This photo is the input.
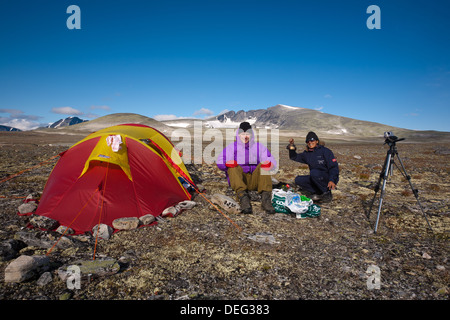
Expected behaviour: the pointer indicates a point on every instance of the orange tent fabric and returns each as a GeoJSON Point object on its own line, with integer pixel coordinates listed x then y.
{"type": "Point", "coordinates": [97, 181]}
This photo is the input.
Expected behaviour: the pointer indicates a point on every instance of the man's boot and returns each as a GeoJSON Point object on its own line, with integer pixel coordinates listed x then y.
{"type": "Point", "coordinates": [323, 198]}
{"type": "Point", "coordinates": [244, 201]}
{"type": "Point", "coordinates": [266, 202]}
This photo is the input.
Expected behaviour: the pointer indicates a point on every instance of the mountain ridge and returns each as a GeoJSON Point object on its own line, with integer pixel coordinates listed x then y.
{"type": "Point", "coordinates": [285, 118]}
{"type": "Point", "coordinates": [8, 128]}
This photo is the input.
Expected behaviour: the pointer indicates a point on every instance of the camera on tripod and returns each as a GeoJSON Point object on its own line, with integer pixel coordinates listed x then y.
{"type": "Point", "coordinates": [390, 138]}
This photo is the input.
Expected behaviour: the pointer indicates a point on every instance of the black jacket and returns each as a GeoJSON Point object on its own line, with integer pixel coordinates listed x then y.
{"type": "Point", "coordinates": [321, 158]}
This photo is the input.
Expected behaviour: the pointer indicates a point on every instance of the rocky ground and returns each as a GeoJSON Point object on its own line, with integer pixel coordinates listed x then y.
{"type": "Point", "coordinates": [201, 254]}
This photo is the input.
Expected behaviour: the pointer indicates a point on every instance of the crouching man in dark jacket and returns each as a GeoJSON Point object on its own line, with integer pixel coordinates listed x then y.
{"type": "Point", "coordinates": [323, 167]}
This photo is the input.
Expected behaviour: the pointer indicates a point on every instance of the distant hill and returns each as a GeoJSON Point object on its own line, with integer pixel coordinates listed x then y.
{"type": "Point", "coordinates": [115, 119]}
{"type": "Point", "coordinates": [290, 121]}
{"type": "Point", "coordinates": [302, 119]}
{"type": "Point", "coordinates": [7, 128]}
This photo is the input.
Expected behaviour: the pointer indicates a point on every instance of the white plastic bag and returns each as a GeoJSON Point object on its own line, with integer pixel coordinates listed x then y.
{"type": "Point", "coordinates": [297, 203]}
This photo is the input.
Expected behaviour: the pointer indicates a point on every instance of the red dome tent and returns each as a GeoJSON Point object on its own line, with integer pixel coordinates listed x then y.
{"type": "Point", "coordinates": [126, 170]}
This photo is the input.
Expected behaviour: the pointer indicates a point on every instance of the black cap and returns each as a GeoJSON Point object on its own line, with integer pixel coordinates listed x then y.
{"type": "Point", "coordinates": [244, 126]}
{"type": "Point", "coordinates": [311, 136]}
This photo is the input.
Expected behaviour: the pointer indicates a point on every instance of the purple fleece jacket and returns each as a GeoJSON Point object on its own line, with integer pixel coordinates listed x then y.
{"type": "Point", "coordinates": [248, 155]}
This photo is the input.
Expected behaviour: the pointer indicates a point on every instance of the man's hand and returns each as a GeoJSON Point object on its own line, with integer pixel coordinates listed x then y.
{"type": "Point", "coordinates": [231, 163]}
{"type": "Point", "coordinates": [266, 165]}
{"type": "Point", "coordinates": [331, 185]}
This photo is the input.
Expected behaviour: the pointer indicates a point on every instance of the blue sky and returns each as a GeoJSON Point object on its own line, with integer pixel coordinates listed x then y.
{"type": "Point", "coordinates": [199, 58]}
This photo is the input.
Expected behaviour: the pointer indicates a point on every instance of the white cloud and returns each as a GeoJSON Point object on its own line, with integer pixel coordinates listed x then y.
{"type": "Point", "coordinates": [18, 119]}
{"type": "Point", "coordinates": [318, 108]}
{"type": "Point", "coordinates": [328, 96]}
{"type": "Point", "coordinates": [12, 112]}
{"type": "Point", "coordinates": [203, 111]}
{"type": "Point", "coordinates": [22, 124]}
{"type": "Point", "coordinates": [163, 117]}
{"type": "Point", "coordinates": [67, 111]}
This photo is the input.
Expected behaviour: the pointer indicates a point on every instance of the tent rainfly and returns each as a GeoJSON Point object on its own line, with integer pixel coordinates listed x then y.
{"type": "Point", "coordinates": [127, 170]}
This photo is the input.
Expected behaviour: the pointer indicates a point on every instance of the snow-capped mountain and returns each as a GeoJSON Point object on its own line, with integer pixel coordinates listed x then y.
{"type": "Point", "coordinates": [294, 119]}
{"type": "Point", "coordinates": [7, 128]}
{"type": "Point", "coordinates": [65, 122]}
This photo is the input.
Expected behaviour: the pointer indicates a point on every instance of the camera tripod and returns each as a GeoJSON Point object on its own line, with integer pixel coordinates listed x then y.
{"type": "Point", "coordinates": [388, 170]}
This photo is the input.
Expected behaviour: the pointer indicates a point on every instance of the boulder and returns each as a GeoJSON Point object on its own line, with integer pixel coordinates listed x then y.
{"type": "Point", "coordinates": [26, 267]}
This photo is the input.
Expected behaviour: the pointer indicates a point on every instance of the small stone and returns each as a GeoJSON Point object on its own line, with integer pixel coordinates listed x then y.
{"type": "Point", "coordinates": [102, 231]}
{"type": "Point", "coordinates": [442, 291]}
{"type": "Point", "coordinates": [169, 212]}
{"type": "Point", "coordinates": [185, 205]}
{"type": "Point", "coordinates": [147, 219]}
{"type": "Point", "coordinates": [43, 222]}
{"type": "Point", "coordinates": [65, 230]}
{"type": "Point", "coordinates": [28, 207]}
{"type": "Point", "coordinates": [65, 296]}
{"type": "Point", "coordinates": [128, 223]}
{"type": "Point", "coordinates": [44, 279]}
{"type": "Point", "coordinates": [226, 203]}
{"type": "Point", "coordinates": [426, 256]}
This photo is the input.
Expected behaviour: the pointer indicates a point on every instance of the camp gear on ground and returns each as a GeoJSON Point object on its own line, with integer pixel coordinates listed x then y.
{"type": "Point", "coordinates": [313, 211]}
{"type": "Point", "coordinates": [290, 202]}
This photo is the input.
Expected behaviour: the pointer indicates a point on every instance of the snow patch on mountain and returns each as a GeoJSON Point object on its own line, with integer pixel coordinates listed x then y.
{"type": "Point", "coordinates": [226, 122]}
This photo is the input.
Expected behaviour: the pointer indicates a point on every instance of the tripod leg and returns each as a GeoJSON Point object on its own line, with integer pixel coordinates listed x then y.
{"type": "Point", "coordinates": [415, 191]}
{"type": "Point", "coordinates": [383, 188]}
{"type": "Point", "coordinates": [377, 187]}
